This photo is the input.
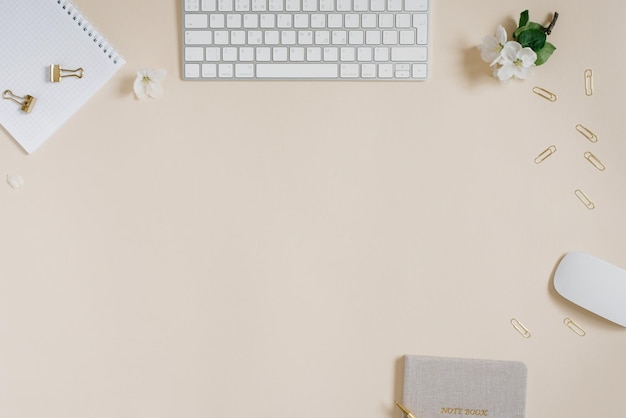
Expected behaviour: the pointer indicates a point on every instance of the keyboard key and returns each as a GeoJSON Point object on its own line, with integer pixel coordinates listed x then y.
{"type": "Point", "coordinates": [192, 5]}
{"type": "Point", "coordinates": [419, 70]}
{"type": "Point", "coordinates": [192, 70]}
{"type": "Point", "coordinates": [394, 5]}
{"type": "Point", "coordinates": [344, 5]}
{"type": "Point", "coordinates": [322, 37]}
{"type": "Point", "coordinates": [292, 5]}
{"type": "Point", "coordinates": [288, 37]}
{"type": "Point", "coordinates": [407, 37]}
{"type": "Point", "coordinates": [349, 70]}
{"type": "Point", "coordinates": [420, 22]}
{"type": "Point", "coordinates": [378, 5]}
{"type": "Point", "coordinates": [250, 21]}
{"type": "Point", "coordinates": [196, 21]}
{"type": "Point", "coordinates": [331, 54]}
{"type": "Point", "coordinates": [327, 5]}
{"type": "Point", "coordinates": [385, 70]}
{"type": "Point", "coordinates": [368, 70]}
{"type": "Point", "coordinates": [409, 54]}
{"type": "Point", "coordinates": [318, 21]}
{"type": "Point", "coordinates": [297, 70]}
{"type": "Point", "coordinates": [244, 70]}
{"type": "Point", "coordinates": [364, 54]}
{"type": "Point", "coordinates": [263, 54]}
{"type": "Point", "coordinates": [268, 21]}
{"type": "Point", "coordinates": [225, 5]}
{"type": "Point", "coordinates": [301, 21]}
{"type": "Point", "coordinates": [390, 37]}
{"type": "Point", "coordinates": [233, 21]}
{"type": "Point", "coordinates": [280, 53]}
{"type": "Point", "coordinates": [229, 54]}
{"type": "Point", "coordinates": [309, 5]}
{"type": "Point", "coordinates": [368, 20]}
{"type": "Point", "coordinates": [198, 37]}
{"type": "Point", "coordinates": [220, 37]}
{"type": "Point", "coordinates": [246, 53]}
{"type": "Point", "coordinates": [360, 5]}
{"type": "Point", "coordinates": [283, 21]}
{"type": "Point", "coordinates": [335, 21]}
{"type": "Point", "coordinates": [259, 5]}
{"type": "Point", "coordinates": [209, 70]}
{"type": "Point", "coordinates": [209, 5]}
{"type": "Point", "coordinates": [356, 37]}
{"type": "Point", "coordinates": [347, 54]}
{"type": "Point", "coordinates": [255, 37]}
{"type": "Point", "coordinates": [339, 37]}
{"type": "Point", "coordinates": [195, 53]}
{"type": "Point", "coordinates": [237, 37]}
{"type": "Point", "coordinates": [217, 21]}
{"type": "Point", "coordinates": [225, 70]}
{"type": "Point", "coordinates": [213, 54]}
{"type": "Point", "coordinates": [296, 54]}
{"type": "Point", "coordinates": [415, 5]}
{"type": "Point", "coordinates": [305, 37]}
{"type": "Point", "coordinates": [272, 37]}
{"type": "Point", "coordinates": [275, 5]}
{"type": "Point", "coordinates": [403, 20]}
{"type": "Point", "coordinates": [242, 5]}
{"type": "Point", "coordinates": [381, 54]}
{"type": "Point", "coordinates": [314, 54]}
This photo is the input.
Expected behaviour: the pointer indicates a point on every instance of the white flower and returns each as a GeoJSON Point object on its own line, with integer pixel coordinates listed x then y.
{"type": "Point", "coordinates": [147, 83]}
{"type": "Point", "coordinates": [516, 62]}
{"type": "Point", "coordinates": [491, 48]}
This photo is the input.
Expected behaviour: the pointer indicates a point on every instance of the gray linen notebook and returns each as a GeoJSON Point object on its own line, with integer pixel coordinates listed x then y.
{"type": "Point", "coordinates": [442, 386]}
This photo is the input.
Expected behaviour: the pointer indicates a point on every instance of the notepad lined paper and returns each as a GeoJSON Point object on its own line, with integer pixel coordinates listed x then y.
{"type": "Point", "coordinates": [34, 35]}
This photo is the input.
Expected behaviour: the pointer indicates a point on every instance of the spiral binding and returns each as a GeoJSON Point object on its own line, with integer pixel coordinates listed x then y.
{"type": "Point", "coordinates": [90, 30]}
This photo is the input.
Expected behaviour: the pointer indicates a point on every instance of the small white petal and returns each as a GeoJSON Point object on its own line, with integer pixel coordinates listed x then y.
{"type": "Point", "coordinates": [501, 35]}
{"type": "Point", "coordinates": [15, 181]}
{"type": "Point", "coordinates": [505, 72]}
{"type": "Point", "coordinates": [139, 88]}
{"type": "Point", "coordinates": [527, 56]}
{"type": "Point", "coordinates": [154, 90]}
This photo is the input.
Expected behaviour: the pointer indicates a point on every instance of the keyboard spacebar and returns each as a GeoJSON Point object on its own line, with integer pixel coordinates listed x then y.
{"type": "Point", "coordinates": [297, 70]}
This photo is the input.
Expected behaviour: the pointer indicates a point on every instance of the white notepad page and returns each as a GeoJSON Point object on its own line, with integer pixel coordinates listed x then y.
{"type": "Point", "coordinates": [35, 34]}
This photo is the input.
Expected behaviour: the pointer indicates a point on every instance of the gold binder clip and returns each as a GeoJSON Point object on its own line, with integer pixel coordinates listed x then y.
{"type": "Point", "coordinates": [585, 199]}
{"type": "Point", "coordinates": [56, 73]}
{"type": "Point", "coordinates": [587, 133]}
{"type": "Point", "coordinates": [594, 161]}
{"type": "Point", "coordinates": [588, 82]}
{"type": "Point", "coordinates": [545, 154]}
{"type": "Point", "coordinates": [520, 328]}
{"type": "Point", "coordinates": [27, 103]}
{"type": "Point", "coordinates": [574, 327]}
{"type": "Point", "coordinates": [548, 95]}
{"type": "Point", "coordinates": [405, 410]}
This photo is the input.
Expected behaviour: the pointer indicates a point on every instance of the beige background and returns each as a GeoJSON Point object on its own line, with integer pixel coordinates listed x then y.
{"type": "Point", "coordinates": [272, 249]}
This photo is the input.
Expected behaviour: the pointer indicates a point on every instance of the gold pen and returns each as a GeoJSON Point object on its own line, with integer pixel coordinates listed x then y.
{"type": "Point", "coordinates": [408, 413]}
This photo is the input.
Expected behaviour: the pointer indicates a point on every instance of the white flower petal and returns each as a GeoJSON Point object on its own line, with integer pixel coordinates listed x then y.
{"type": "Point", "coordinates": [527, 56]}
{"type": "Point", "coordinates": [501, 35]}
{"type": "Point", "coordinates": [154, 90]}
{"type": "Point", "coordinates": [139, 87]}
{"type": "Point", "coordinates": [505, 72]}
{"type": "Point", "coordinates": [15, 181]}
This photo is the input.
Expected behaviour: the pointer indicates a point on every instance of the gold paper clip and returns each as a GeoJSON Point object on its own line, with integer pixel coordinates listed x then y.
{"type": "Point", "coordinates": [588, 82]}
{"type": "Point", "coordinates": [26, 105]}
{"type": "Point", "coordinates": [574, 327]}
{"type": "Point", "coordinates": [56, 73]}
{"type": "Point", "coordinates": [594, 161]}
{"type": "Point", "coordinates": [545, 154]}
{"type": "Point", "coordinates": [520, 328]}
{"type": "Point", "coordinates": [585, 199]}
{"type": "Point", "coordinates": [405, 410]}
{"type": "Point", "coordinates": [548, 95]}
{"type": "Point", "coordinates": [587, 133]}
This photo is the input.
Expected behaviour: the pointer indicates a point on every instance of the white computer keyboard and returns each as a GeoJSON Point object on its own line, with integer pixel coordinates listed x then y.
{"type": "Point", "coordinates": [305, 39]}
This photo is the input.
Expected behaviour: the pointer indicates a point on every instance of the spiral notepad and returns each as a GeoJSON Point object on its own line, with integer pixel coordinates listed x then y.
{"type": "Point", "coordinates": [34, 35]}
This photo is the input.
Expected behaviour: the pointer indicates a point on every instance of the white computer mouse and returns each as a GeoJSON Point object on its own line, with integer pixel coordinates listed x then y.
{"type": "Point", "coordinates": [594, 284]}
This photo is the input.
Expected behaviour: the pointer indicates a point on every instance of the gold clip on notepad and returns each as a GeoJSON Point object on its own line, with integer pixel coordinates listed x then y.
{"type": "Point", "coordinates": [405, 410]}
{"type": "Point", "coordinates": [57, 73]}
{"type": "Point", "coordinates": [548, 95]}
{"type": "Point", "coordinates": [26, 103]}
{"type": "Point", "coordinates": [587, 133]}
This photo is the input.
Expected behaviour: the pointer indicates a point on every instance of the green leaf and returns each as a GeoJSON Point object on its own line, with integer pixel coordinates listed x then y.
{"type": "Point", "coordinates": [544, 53]}
{"type": "Point", "coordinates": [532, 38]}
{"type": "Point", "coordinates": [523, 18]}
{"type": "Point", "coordinates": [529, 25]}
